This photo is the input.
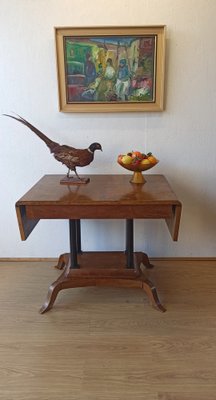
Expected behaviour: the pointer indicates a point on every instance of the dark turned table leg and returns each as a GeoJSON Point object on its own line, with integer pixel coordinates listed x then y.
{"type": "Point", "coordinates": [130, 247]}
{"type": "Point", "coordinates": [129, 244]}
{"type": "Point", "coordinates": [75, 246]}
{"type": "Point", "coordinates": [78, 236]}
{"type": "Point", "coordinates": [75, 242]}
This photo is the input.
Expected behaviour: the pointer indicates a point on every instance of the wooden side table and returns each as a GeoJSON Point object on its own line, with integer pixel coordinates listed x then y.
{"type": "Point", "coordinates": [104, 197]}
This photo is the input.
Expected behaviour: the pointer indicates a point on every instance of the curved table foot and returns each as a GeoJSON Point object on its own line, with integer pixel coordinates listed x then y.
{"type": "Point", "coordinates": [151, 292]}
{"type": "Point", "coordinates": [62, 261]}
{"type": "Point", "coordinates": [146, 262]}
{"type": "Point", "coordinates": [61, 283]}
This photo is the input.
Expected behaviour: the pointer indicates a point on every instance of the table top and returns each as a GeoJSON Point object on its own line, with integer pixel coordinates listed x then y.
{"type": "Point", "coordinates": [101, 190]}
{"type": "Point", "coordinates": [104, 197]}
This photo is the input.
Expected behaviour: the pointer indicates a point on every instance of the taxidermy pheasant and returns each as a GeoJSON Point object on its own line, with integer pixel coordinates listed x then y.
{"type": "Point", "coordinates": [67, 155]}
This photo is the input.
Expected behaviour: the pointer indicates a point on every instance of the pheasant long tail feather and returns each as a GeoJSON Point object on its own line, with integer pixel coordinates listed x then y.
{"type": "Point", "coordinates": [41, 135]}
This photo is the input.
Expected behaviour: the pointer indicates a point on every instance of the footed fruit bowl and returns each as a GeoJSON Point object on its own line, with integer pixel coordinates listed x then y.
{"type": "Point", "coordinates": [137, 162]}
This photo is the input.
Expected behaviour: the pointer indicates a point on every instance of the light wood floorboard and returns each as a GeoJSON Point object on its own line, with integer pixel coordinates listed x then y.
{"type": "Point", "coordinates": [108, 344]}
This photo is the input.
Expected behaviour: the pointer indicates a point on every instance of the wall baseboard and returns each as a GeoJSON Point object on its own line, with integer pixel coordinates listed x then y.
{"type": "Point", "coordinates": [55, 259]}
{"type": "Point", "coordinates": [28, 259]}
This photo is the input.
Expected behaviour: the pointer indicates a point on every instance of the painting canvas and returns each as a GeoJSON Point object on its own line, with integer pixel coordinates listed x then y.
{"type": "Point", "coordinates": [108, 71]}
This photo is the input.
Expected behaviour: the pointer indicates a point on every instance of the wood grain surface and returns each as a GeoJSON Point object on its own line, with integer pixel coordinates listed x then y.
{"type": "Point", "coordinates": [108, 343]}
{"type": "Point", "coordinates": [104, 197]}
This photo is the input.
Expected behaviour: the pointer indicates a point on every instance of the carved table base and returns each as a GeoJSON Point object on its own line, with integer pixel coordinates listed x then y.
{"type": "Point", "coordinates": [102, 269]}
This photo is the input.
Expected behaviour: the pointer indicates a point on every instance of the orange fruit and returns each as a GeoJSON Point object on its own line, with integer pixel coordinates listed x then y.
{"type": "Point", "coordinates": [152, 159]}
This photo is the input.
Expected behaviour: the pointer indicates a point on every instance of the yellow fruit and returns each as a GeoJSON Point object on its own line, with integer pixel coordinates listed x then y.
{"type": "Point", "coordinates": [145, 161]}
{"type": "Point", "coordinates": [152, 160]}
{"type": "Point", "coordinates": [126, 160]}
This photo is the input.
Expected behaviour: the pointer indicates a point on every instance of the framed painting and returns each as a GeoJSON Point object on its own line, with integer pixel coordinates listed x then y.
{"type": "Point", "coordinates": [110, 69]}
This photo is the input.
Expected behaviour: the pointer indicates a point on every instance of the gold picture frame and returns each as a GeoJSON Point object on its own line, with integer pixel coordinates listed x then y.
{"type": "Point", "coordinates": [110, 69]}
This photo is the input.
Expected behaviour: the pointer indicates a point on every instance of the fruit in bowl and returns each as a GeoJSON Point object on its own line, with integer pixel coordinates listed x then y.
{"type": "Point", "coordinates": [137, 162]}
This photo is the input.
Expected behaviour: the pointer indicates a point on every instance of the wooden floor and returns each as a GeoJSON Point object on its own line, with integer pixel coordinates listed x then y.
{"type": "Point", "coordinates": [108, 344]}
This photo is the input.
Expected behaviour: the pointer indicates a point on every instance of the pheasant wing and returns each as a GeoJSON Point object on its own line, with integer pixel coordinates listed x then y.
{"type": "Point", "coordinates": [67, 157]}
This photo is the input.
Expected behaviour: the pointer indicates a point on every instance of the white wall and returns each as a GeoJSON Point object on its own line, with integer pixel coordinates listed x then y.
{"type": "Point", "coordinates": [183, 136]}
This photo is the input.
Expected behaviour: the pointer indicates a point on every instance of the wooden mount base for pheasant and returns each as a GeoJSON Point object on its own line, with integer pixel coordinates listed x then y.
{"type": "Point", "coordinates": [73, 180]}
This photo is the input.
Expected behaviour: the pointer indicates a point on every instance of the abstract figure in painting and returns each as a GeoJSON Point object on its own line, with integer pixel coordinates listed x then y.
{"type": "Point", "coordinates": [123, 80]}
